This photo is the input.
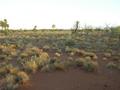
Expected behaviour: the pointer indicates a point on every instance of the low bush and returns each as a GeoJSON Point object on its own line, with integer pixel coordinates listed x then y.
{"type": "Point", "coordinates": [46, 47]}
{"type": "Point", "coordinates": [111, 65]}
{"type": "Point", "coordinates": [79, 62]}
{"type": "Point", "coordinates": [48, 68]}
{"type": "Point", "coordinates": [13, 81]}
{"type": "Point", "coordinates": [107, 55]}
{"type": "Point", "coordinates": [44, 56]}
{"type": "Point", "coordinates": [22, 77]}
{"type": "Point", "coordinates": [31, 52]}
{"type": "Point", "coordinates": [59, 66]}
{"type": "Point", "coordinates": [8, 68]}
{"type": "Point", "coordinates": [10, 82]}
{"type": "Point", "coordinates": [69, 42]}
{"type": "Point", "coordinates": [30, 66]}
{"type": "Point", "coordinates": [90, 65]}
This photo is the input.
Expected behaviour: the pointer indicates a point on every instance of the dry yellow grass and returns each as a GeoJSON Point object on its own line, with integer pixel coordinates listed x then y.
{"type": "Point", "coordinates": [44, 56]}
{"type": "Point", "coordinates": [24, 78]}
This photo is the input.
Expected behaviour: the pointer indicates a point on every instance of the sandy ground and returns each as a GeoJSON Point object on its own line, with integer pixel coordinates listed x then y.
{"type": "Point", "coordinates": [74, 79]}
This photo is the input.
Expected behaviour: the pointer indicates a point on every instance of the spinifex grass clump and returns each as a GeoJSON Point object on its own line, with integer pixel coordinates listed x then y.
{"type": "Point", "coordinates": [6, 69]}
{"type": "Point", "coordinates": [7, 52]}
{"type": "Point", "coordinates": [31, 52]}
{"type": "Point", "coordinates": [52, 65]}
{"type": "Point", "coordinates": [90, 65]}
{"type": "Point", "coordinates": [13, 77]}
{"type": "Point", "coordinates": [30, 66]}
{"type": "Point", "coordinates": [13, 81]}
{"type": "Point", "coordinates": [113, 65]}
{"type": "Point", "coordinates": [10, 82]}
{"type": "Point", "coordinates": [36, 61]}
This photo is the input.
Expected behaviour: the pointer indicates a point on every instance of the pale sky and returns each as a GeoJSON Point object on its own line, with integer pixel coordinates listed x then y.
{"type": "Point", "coordinates": [62, 13]}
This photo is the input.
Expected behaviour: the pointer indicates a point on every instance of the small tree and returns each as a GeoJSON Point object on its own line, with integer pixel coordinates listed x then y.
{"type": "Point", "coordinates": [108, 28]}
{"type": "Point", "coordinates": [4, 24]}
{"type": "Point", "coordinates": [76, 26]}
{"type": "Point", "coordinates": [35, 27]}
{"type": "Point", "coordinates": [53, 26]}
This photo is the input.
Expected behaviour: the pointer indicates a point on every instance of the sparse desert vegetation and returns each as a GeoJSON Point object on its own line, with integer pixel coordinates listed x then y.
{"type": "Point", "coordinates": [23, 53]}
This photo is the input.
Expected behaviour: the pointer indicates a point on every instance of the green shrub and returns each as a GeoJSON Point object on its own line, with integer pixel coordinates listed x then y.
{"type": "Point", "coordinates": [69, 42]}
{"type": "Point", "coordinates": [46, 47]}
{"type": "Point", "coordinates": [79, 61]}
{"type": "Point", "coordinates": [111, 65]}
{"type": "Point", "coordinates": [89, 65]}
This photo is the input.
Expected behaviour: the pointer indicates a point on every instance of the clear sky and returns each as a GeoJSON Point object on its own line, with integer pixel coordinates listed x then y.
{"type": "Point", "coordinates": [62, 13]}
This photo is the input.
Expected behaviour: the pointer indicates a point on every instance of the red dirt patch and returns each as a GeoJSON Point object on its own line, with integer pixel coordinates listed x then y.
{"type": "Point", "coordinates": [74, 79]}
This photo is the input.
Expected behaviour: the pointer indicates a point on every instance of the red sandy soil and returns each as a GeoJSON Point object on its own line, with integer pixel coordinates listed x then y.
{"type": "Point", "coordinates": [74, 79]}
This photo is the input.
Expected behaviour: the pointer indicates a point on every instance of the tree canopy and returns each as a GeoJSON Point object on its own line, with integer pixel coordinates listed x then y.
{"type": "Point", "coordinates": [4, 24]}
